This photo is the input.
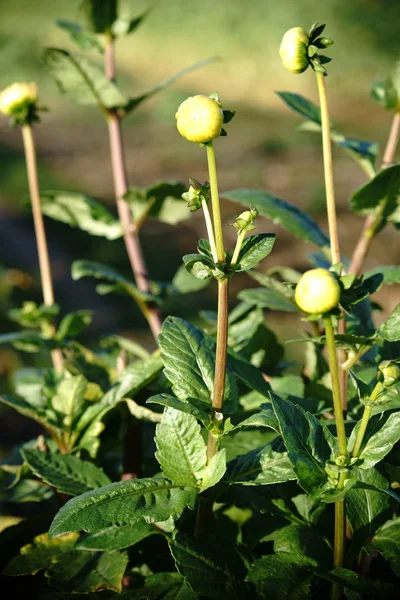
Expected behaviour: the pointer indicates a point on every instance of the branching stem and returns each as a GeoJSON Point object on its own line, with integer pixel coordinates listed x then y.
{"type": "Point", "coordinates": [372, 222]}
{"type": "Point", "coordinates": [131, 237]}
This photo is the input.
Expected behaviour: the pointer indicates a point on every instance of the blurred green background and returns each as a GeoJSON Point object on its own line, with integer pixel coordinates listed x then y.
{"type": "Point", "coordinates": [264, 149]}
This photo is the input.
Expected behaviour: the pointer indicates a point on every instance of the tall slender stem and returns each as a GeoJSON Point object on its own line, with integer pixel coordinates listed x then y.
{"type": "Point", "coordinates": [333, 367]}
{"type": "Point", "coordinates": [40, 233]}
{"type": "Point", "coordinates": [340, 519]}
{"type": "Point", "coordinates": [365, 419]}
{"type": "Point", "coordinates": [212, 169]}
{"type": "Point", "coordinates": [210, 230]}
{"type": "Point", "coordinates": [131, 238]}
{"type": "Point", "coordinates": [238, 247]}
{"type": "Point", "coordinates": [339, 542]}
{"type": "Point", "coordinates": [328, 170]}
{"type": "Point", "coordinates": [222, 345]}
{"type": "Point", "coordinates": [372, 222]}
{"type": "Point", "coordinates": [206, 500]}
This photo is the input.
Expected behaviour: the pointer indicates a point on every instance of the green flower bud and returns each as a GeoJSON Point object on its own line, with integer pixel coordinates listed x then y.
{"type": "Point", "coordinates": [244, 222]}
{"type": "Point", "coordinates": [18, 99]}
{"type": "Point", "coordinates": [326, 42]}
{"type": "Point", "coordinates": [390, 372]}
{"type": "Point", "coordinates": [317, 292]}
{"type": "Point", "coordinates": [293, 50]}
{"type": "Point", "coordinates": [196, 194]}
{"type": "Point", "coordinates": [199, 119]}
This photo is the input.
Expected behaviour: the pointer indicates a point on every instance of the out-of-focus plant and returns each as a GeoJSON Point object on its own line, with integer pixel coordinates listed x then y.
{"type": "Point", "coordinates": [248, 472]}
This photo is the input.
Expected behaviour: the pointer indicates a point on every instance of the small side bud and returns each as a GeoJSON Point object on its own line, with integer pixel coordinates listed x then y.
{"type": "Point", "coordinates": [325, 42]}
{"type": "Point", "coordinates": [244, 222]}
{"type": "Point", "coordinates": [196, 194]}
{"type": "Point", "coordinates": [390, 371]}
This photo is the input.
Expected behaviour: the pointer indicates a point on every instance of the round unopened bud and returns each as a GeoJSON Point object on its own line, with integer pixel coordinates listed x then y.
{"type": "Point", "coordinates": [17, 98]}
{"type": "Point", "coordinates": [293, 50]}
{"type": "Point", "coordinates": [317, 292]}
{"type": "Point", "coordinates": [390, 372]}
{"type": "Point", "coordinates": [199, 119]}
{"type": "Point", "coordinates": [244, 222]}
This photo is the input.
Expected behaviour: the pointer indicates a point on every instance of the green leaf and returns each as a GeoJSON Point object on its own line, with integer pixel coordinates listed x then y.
{"type": "Point", "coordinates": [268, 299]}
{"type": "Point", "coordinates": [189, 406]}
{"type": "Point", "coordinates": [254, 249]}
{"type": "Point", "coordinates": [188, 355]}
{"type": "Point", "coordinates": [28, 410]}
{"type": "Point", "coordinates": [163, 586]}
{"type": "Point", "coordinates": [69, 399]}
{"type": "Point", "coordinates": [184, 283]}
{"type": "Point", "coordinates": [85, 572]}
{"type": "Point", "coordinates": [384, 93]}
{"type": "Point", "coordinates": [385, 186]}
{"type": "Point", "coordinates": [306, 444]}
{"type": "Point", "coordinates": [386, 541]}
{"type": "Point", "coordinates": [68, 474]}
{"type": "Point", "coordinates": [283, 213]}
{"type": "Point", "coordinates": [88, 268]}
{"type": "Point", "coordinates": [72, 324]}
{"type": "Point", "coordinates": [361, 151]}
{"type": "Point", "coordinates": [181, 450]}
{"type": "Point", "coordinates": [382, 433]}
{"type": "Point", "coordinates": [134, 102]}
{"type": "Point", "coordinates": [33, 315]}
{"type": "Point", "coordinates": [40, 554]}
{"type": "Point", "coordinates": [247, 373]}
{"type": "Point", "coordinates": [99, 16]}
{"type": "Point", "coordinates": [162, 201]}
{"type": "Point", "coordinates": [214, 471]}
{"type": "Point", "coordinates": [131, 346]}
{"type": "Point", "coordinates": [265, 418]}
{"type": "Point", "coordinates": [135, 377]}
{"type": "Point", "coordinates": [83, 40]}
{"type": "Point", "coordinates": [282, 575]}
{"type": "Point", "coordinates": [262, 466]}
{"type": "Point", "coordinates": [27, 341]}
{"type": "Point", "coordinates": [288, 386]}
{"type": "Point", "coordinates": [211, 567]}
{"type": "Point", "coordinates": [202, 267]}
{"type": "Point", "coordinates": [391, 273]}
{"type": "Point", "coordinates": [124, 25]}
{"type": "Point", "coordinates": [123, 503]}
{"type": "Point", "coordinates": [302, 106]}
{"type": "Point", "coordinates": [249, 337]}
{"type": "Point", "coordinates": [366, 509]}
{"type": "Point", "coordinates": [115, 538]}
{"type": "Point", "coordinates": [78, 210]}
{"type": "Point", "coordinates": [303, 539]}
{"type": "Point", "coordinates": [390, 329]}
{"type": "Point", "coordinates": [273, 284]}
{"type": "Point", "coordinates": [82, 80]}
